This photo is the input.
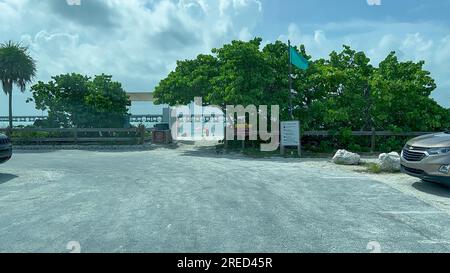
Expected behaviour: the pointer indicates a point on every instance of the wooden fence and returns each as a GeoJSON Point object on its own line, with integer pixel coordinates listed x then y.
{"type": "Point", "coordinates": [79, 135]}
{"type": "Point", "coordinates": [372, 134]}
{"type": "Point", "coordinates": [139, 135]}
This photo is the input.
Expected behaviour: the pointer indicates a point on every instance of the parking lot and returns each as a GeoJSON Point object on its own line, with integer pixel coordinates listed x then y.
{"type": "Point", "coordinates": [195, 200]}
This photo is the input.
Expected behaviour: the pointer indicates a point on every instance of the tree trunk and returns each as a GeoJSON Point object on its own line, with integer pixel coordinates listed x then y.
{"type": "Point", "coordinates": [368, 120]}
{"type": "Point", "coordinates": [8, 91]}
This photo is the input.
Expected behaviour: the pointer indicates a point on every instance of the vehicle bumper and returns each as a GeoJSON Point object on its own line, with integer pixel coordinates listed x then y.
{"type": "Point", "coordinates": [5, 153]}
{"type": "Point", "coordinates": [427, 170]}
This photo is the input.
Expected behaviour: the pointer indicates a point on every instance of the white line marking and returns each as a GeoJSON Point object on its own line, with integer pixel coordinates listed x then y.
{"type": "Point", "coordinates": [348, 177]}
{"type": "Point", "coordinates": [431, 242]}
{"type": "Point", "coordinates": [413, 212]}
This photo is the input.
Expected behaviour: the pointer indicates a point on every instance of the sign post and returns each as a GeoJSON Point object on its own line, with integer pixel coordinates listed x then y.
{"type": "Point", "coordinates": [290, 130]}
{"type": "Point", "coordinates": [291, 136]}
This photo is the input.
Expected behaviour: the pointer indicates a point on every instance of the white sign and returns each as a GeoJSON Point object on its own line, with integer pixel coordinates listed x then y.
{"type": "Point", "coordinates": [290, 133]}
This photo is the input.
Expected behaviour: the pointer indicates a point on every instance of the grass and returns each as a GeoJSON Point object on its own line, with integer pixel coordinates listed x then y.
{"type": "Point", "coordinates": [374, 168]}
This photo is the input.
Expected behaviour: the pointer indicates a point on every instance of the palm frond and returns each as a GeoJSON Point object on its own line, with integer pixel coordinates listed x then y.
{"type": "Point", "coordinates": [16, 65]}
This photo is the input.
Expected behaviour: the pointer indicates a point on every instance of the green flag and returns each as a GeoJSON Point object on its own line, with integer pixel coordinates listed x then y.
{"type": "Point", "coordinates": [298, 60]}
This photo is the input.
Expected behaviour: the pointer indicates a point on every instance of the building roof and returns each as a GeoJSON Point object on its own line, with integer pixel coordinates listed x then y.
{"type": "Point", "coordinates": [140, 96]}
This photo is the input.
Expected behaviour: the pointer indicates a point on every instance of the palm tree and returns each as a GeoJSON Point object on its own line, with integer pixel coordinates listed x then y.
{"type": "Point", "coordinates": [16, 68]}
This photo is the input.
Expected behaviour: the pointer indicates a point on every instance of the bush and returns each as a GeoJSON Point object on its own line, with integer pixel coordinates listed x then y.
{"type": "Point", "coordinates": [389, 144]}
{"type": "Point", "coordinates": [373, 168]}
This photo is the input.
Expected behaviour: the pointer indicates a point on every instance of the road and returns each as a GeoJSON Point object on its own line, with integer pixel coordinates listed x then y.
{"type": "Point", "coordinates": [194, 200]}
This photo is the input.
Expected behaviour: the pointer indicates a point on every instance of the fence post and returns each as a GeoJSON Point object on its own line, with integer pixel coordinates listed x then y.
{"type": "Point", "coordinates": [372, 144]}
{"type": "Point", "coordinates": [225, 141]}
{"type": "Point", "coordinates": [9, 132]}
{"type": "Point", "coordinates": [141, 134]}
{"type": "Point", "coordinates": [300, 141]}
{"type": "Point", "coordinates": [75, 134]}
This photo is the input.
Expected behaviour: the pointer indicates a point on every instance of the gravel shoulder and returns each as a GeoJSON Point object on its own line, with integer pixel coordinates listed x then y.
{"type": "Point", "coordinates": [434, 194]}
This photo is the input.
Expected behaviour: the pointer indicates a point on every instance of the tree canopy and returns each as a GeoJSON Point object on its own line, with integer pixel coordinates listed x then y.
{"type": "Point", "coordinates": [343, 91]}
{"type": "Point", "coordinates": [17, 67]}
{"type": "Point", "coordinates": [77, 100]}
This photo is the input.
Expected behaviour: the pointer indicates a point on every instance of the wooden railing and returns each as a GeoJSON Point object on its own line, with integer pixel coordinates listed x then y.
{"type": "Point", "coordinates": [367, 133]}
{"type": "Point", "coordinates": [79, 135]}
{"type": "Point", "coordinates": [138, 135]}
{"type": "Point", "coordinates": [373, 134]}
{"type": "Point", "coordinates": [32, 119]}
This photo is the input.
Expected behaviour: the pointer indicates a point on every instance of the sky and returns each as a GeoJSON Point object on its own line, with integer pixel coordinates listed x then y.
{"type": "Point", "coordinates": [139, 41]}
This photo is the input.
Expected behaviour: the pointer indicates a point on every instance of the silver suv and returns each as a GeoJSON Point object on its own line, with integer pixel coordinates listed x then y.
{"type": "Point", "coordinates": [428, 158]}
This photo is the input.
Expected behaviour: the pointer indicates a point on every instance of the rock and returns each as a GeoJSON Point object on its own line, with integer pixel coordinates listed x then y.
{"type": "Point", "coordinates": [389, 162]}
{"type": "Point", "coordinates": [343, 157]}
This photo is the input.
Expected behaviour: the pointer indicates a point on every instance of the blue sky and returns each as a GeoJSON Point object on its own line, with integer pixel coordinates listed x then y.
{"type": "Point", "coordinates": [310, 12]}
{"type": "Point", "coordinates": [139, 41]}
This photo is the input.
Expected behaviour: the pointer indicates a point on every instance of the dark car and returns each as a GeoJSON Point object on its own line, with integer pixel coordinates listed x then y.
{"type": "Point", "coordinates": [5, 149]}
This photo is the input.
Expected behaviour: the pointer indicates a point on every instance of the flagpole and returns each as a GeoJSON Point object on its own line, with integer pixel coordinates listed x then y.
{"type": "Point", "coordinates": [290, 81]}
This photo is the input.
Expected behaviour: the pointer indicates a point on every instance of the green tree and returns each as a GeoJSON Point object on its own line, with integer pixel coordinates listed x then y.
{"type": "Point", "coordinates": [18, 68]}
{"type": "Point", "coordinates": [234, 74]}
{"type": "Point", "coordinates": [191, 78]}
{"type": "Point", "coordinates": [348, 99]}
{"type": "Point", "coordinates": [343, 92]}
{"type": "Point", "coordinates": [401, 92]}
{"type": "Point", "coordinates": [76, 100]}
{"type": "Point", "coordinates": [276, 91]}
{"type": "Point", "coordinates": [242, 78]}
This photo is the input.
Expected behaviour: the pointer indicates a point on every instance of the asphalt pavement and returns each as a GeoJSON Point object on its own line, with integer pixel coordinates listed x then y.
{"type": "Point", "coordinates": [192, 200]}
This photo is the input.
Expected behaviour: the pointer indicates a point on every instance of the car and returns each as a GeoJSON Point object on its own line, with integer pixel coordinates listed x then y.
{"type": "Point", "coordinates": [5, 148]}
{"type": "Point", "coordinates": [428, 158]}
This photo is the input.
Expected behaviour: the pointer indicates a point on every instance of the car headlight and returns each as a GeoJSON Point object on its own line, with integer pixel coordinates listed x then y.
{"type": "Point", "coordinates": [438, 151]}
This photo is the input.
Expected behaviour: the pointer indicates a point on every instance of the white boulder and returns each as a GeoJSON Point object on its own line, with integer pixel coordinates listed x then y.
{"type": "Point", "coordinates": [343, 157]}
{"type": "Point", "coordinates": [389, 162]}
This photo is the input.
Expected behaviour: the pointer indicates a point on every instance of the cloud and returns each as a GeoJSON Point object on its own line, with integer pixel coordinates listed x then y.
{"type": "Point", "coordinates": [316, 42]}
{"type": "Point", "coordinates": [374, 2]}
{"type": "Point", "coordinates": [412, 41]}
{"type": "Point", "coordinates": [88, 13]}
{"type": "Point", "coordinates": [139, 41]}
{"type": "Point", "coordinates": [136, 41]}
